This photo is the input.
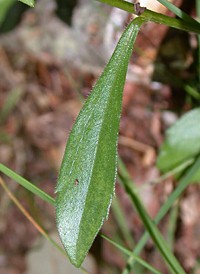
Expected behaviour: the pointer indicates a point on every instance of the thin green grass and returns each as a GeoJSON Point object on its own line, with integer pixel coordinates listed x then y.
{"type": "Point", "coordinates": [181, 14]}
{"type": "Point", "coordinates": [181, 186]}
{"type": "Point", "coordinates": [122, 222]}
{"type": "Point", "coordinates": [129, 253]}
{"type": "Point", "coordinates": [172, 225]}
{"type": "Point", "coordinates": [34, 223]}
{"type": "Point", "coordinates": [151, 16]}
{"type": "Point", "coordinates": [191, 90]}
{"type": "Point", "coordinates": [26, 184]}
{"type": "Point", "coordinates": [177, 170]}
{"type": "Point", "coordinates": [47, 198]}
{"type": "Point", "coordinates": [153, 231]}
{"type": "Point", "coordinates": [185, 23]}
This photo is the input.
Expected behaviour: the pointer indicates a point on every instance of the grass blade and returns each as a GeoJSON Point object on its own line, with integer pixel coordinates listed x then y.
{"type": "Point", "coordinates": [128, 252]}
{"type": "Point", "coordinates": [38, 192]}
{"type": "Point", "coordinates": [181, 186]}
{"type": "Point", "coordinates": [35, 190]}
{"type": "Point", "coordinates": [30, 218]}
{"type": "Point", "coordinates": [26, 184]}
{"type": "Point", "coordinates": [149, 15]}
{"type": "Point", "coordinates": [122, 222]}
{"type": "Point", "coordinates": [172, 225]}
{"type": "Point", "coordinates": [181, 14]}
{"type": "Point", "coordinates": [154, 232]}
{"type": "Point", "coordinates": [34, 223]}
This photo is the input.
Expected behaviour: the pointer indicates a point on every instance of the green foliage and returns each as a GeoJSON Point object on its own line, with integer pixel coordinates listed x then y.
{"type": "Point", "coordinates": [181, 14]}
{"type": "Point", "coordinates": [181, 186]}
{"type": "Point", "coordinates": [26, 184]}
{"type": "Point", "coordinates": [138, 259]}
{"type": "Point", "coordinates": [154, 232]}
{"type": "Point", "coordinates": [88, 172]}
{"type": "Point", "coordinates": [11, 12]}
{"type": "Point", "coordinates": [149, 15]}
{"type": "Point", "coordinates": [87, 176]}
{"type": "Point", "coordinates": [182, 141]}
{"type": "Point", "coordinates": [4, 6]}
{"type": "Point", "coordinates": [30, 3]}
{"type": "Point", "coordinates": [45, 197]}
{"type": "Point", "coordinates": [12, 16]}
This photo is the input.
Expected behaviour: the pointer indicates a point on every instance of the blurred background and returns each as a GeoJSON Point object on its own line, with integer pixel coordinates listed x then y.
{"type": "Point", "coordinates": [50, 57]}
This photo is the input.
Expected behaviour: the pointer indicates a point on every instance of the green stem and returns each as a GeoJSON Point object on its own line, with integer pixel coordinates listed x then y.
{"type": "Point", "coordinates": [122, 222]}
{"type": "Point", "coordinates": [34, 223]}
{"type": "Point", "coordinates": [47, 198]}
{"type": "Point", "coordinates": [130, 253]}
{"type": "Point", "coordinates": [155, 17]}
{"type": "Point", "coordinates": [26, 184]}
{"type": "Point", "coordinates": [172, 225]}
{"type": "Point", "coordinates": [181, 14]}
{"type": "Point", "coordinates": [153, 231]}
{"type": "Point", "coordinates": [181, 186]}
{"type": "Point", "coordinates": [165, 176]}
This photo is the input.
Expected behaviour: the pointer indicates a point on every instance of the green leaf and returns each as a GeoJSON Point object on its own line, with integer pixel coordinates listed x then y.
{"type": "Point", "coordinates": [87, 176]}
{"type": "Point", "coordinates": [30, 3]}
{"type": "Point", "coordinates": [182, 141]}
{"type": "Point", "coordinates": [4, 7]}
{"type": "Point", "coordinates": [180, 13]}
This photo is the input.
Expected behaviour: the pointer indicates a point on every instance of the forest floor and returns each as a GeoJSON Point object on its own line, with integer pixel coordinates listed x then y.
{"type": "Point", "coordinates": [44, 84]}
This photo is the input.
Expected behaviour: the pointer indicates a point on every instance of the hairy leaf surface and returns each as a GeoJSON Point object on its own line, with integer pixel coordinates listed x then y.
{"type": "Point", "coordinates": [87, 176]}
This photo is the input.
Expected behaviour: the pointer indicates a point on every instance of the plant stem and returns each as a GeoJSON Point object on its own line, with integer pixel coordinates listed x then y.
{"type": "Point", "coordinates": [130, 253]}
{"type": "Point", "coordinates": [181, 14]}
{"type": "Point", "coordinates": [153, 231]}
{"type": "Point", "coordinates": [34, 223]}
{"type": "Point", "coordinates": [35, 190]}
{"type": "Point", "coordinates": [171, 173]}
{"type": "Point", "coordinates": [181, 186]}
{"type": "Point", "coordinates": [122, 222]}
{"type": "Point", "coordinates": [26, 184]}
{"type": "Point", "coordinates": [29, 217]}
{"type": "Point", "coordinates": [155, 17]}
{"type": "Point", "coordinates": [172, 225]}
